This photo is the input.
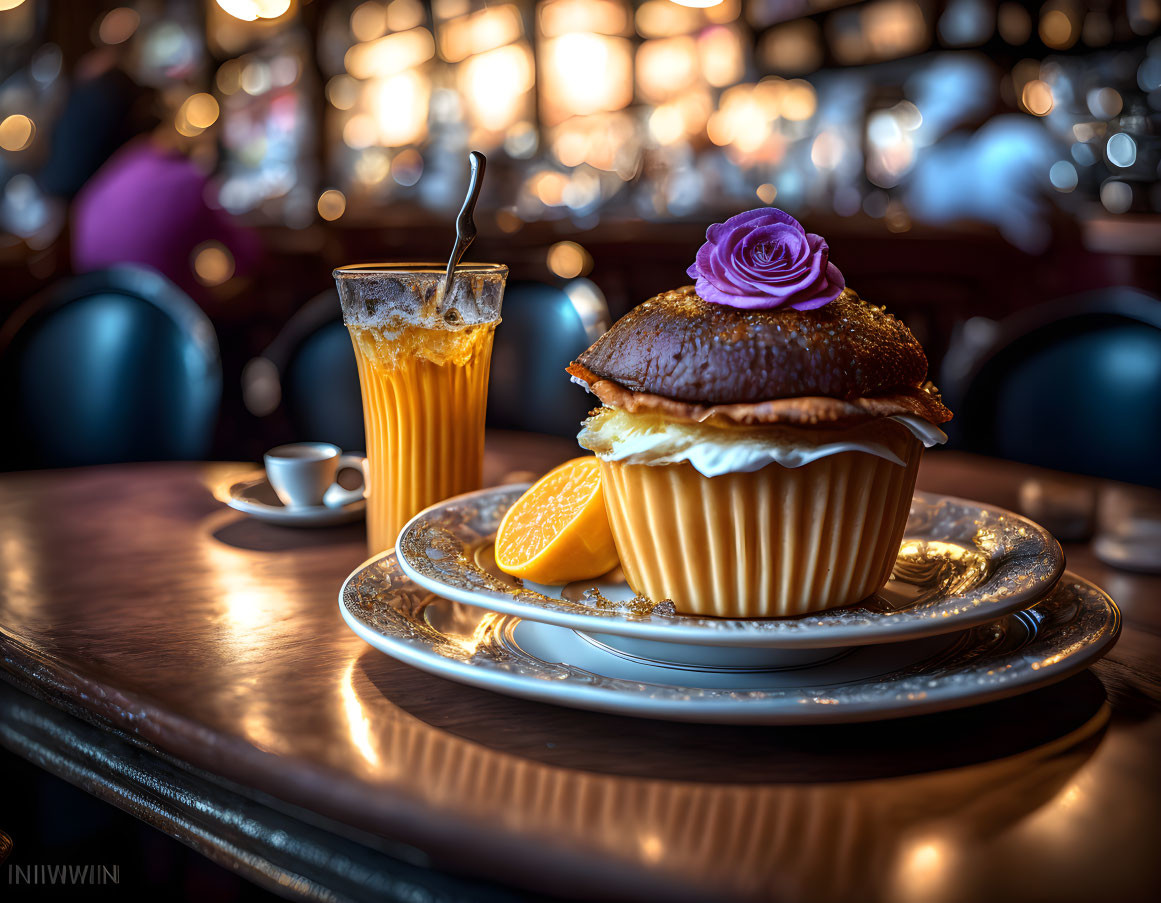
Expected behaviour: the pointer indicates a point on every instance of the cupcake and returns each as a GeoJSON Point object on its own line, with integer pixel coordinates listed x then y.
{"type": "Point", "coordinates": [760, 430]}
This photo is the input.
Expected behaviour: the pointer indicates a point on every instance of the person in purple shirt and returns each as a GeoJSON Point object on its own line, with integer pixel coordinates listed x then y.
{"type": "Point", "coordinates": [148, 205]}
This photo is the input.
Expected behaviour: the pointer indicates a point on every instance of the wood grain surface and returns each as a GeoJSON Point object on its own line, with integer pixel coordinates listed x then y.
{"type": "Point", "coordinates": [133, 597]}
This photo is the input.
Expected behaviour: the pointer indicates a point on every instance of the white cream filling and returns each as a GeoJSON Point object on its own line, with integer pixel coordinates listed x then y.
{"type": "Point", "coordinates": [713, 450]}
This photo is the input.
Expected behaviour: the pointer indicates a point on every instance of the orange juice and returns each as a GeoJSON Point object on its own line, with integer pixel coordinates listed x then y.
{"type": "Point", "coordinates": [423, 361]}
{"type": "Point", "coordinates": [424, 393]}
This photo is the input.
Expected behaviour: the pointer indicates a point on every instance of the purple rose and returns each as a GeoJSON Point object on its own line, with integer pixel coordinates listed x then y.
{"type": "Point", "coordinates": [763, 259]}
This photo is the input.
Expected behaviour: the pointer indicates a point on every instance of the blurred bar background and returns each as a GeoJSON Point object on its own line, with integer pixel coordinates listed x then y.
{"type": "Point", "coordinates": [988, 169]}
{"type": "Point", "coordinates": [966, 159]}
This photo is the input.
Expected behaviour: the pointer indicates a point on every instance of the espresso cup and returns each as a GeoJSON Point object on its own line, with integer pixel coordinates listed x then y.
{"type": "Point", "coordinates": [303, 474]}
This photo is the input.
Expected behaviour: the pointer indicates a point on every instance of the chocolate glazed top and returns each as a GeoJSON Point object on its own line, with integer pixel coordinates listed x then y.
{"type": "Point", "coordinates": [677, 346]}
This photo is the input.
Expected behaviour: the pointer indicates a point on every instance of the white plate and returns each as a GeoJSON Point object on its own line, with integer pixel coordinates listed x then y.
{"type": "Point", "coordinates": [961, 563]}
{"type": "Point", "coordinates": [1062, 633]}
{"type": "Point", "coordinates": [257, 498]}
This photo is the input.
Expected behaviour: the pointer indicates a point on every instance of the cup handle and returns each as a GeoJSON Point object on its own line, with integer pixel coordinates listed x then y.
{"type": "Point", "coordinates": [338, 497]}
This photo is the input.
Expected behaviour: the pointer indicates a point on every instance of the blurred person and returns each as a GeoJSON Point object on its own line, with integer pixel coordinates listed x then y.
{"type": "Point", "coordinates": [978, 162]}
{"type": "Point", "coordinates": [148, 205]}
{"type": "Point", "coordinates": [137, 196]}
{"type": "Point", "coordinates": [80, 122]}
{"type": "Point", "coordinates": [994, 175]}
{"type": "Point", "coordinates": [105, 107]}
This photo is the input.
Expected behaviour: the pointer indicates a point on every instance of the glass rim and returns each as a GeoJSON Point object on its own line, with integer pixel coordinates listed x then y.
{"type": "Point", "coordinates": [424, 268]}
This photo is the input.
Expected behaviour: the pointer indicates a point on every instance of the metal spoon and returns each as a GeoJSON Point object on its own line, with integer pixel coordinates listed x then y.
{"type": "Point", "coordinates": [465, 225]}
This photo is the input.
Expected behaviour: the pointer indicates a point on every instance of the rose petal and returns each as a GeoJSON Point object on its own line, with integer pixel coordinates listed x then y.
{"type": "Point", "coordinates": [762, 259]}
{"type": "Point", "coordinates": [833, 287]}
{"type": "Point", "coordinates": [787, 248]}
{"type": "Point", "coordinates": [705, 259]}
{"type": "Point", "coordinates": [714, 295]}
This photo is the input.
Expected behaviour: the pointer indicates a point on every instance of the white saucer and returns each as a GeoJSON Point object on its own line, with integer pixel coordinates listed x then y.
{"type": "Point", "coordinates": [1141, 553]}
{"type": "Point", "coordinates": [1062, 633]}
{"type": "Point", "coordinates": [257, 498]}
{"type": "Point", "coordinates": [961, 563]}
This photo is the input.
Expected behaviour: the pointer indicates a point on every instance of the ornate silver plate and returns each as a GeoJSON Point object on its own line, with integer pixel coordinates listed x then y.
{"type": "Point", "coordinates": [961, 563]}
{"type": "Point", "coordinates": [1062, 633]}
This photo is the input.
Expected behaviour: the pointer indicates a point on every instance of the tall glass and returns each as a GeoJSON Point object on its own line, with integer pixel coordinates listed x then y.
{"type": "Point", "coordinates": [423, 358]}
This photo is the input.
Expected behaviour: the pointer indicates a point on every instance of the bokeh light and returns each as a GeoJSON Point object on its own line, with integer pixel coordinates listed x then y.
{"type": "Point", "coordinates": [256, 79]}
{"type": "Point", "coordinates": [405, 14]}
{"type": "Point", "coordinates": [46, 63]}
{"type": "Point", "coordinates": [549, 187]}
{"type": "Point", "coordinates": [1063, 176]}
{"type": "Point", "coordinates": [200, 110]}
{"type": "Point", "coordinates": [16, 132]}
{"type": "Point", "coordinates": [229, 77]}
{"type": "Point", "coordinates": [567, 259]}
{"type": "Point", "coordinates": [1117, 197]}
{"type": "Point", "coordinates": [1083, 154]}
{"type": "Point", "coordinates": [494, 84]}
{"type": "Point", "coordinates": [332, 204]}
{"type": "Point", "coordinates": [369, 20]}
{"type": "Point", "coordinates": [661, 19]}
{"type": "Point", "coordinates": [795, 48]}
{"type": "Point", "coordinates": [799, 101]}
{"type": "Point", "coordinates": [407, 168]}
{"type": "Point", "coordinates": [390, 54]}
{"type": "Point", "coordinates": [607, 109]}
{"type": "Point", "coordinates": [721, 56]}
{"type": "Point", "coordinates": [359, 131]}
{"type": "Point", "coordinates": [479, 32]}
{"type": "Point", "coordinates": [213, 264]}
{"type": "Point", "coordinates": [118, 25]}
{"type": "Point", "coordinates": [827, 150]}
{"type": "Point", "coordinates": [1104, 103]}
{"type": "Point", "coordinates": [1037, 98]}
{"type": "Point", "coordinates": [895, 217]}
{"type": "Point", "coordinates": [666, 124]}
{"type": "Point", "coordinates": [261, 386]}
{"type": "Point", "coordinates": [373, 166]}
{"type": "Point", "coordinates": [666, 67]}
{"type": "Point", "coordinates": [252, 10]}
{"type": "Point", "coordinates": [1014, 23]}
{"type": "Point", "coordinates": [508, 221]}
{"type": "Point", "coordinates": [342, 92]}
{"type": "Point", "coordinates": [1121, 150]}
{"type": "Point", "coordinates": [1057, 29]}
{"type": "Point", "coordinates": [586, 73]}
{"type": "Point", "coordinates": [400, 105]}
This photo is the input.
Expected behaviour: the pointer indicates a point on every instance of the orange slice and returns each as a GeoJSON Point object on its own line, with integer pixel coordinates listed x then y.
{"type": "Point", "coordinates": [558, 530]}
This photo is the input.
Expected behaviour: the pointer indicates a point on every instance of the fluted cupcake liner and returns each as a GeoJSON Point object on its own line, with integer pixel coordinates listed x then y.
{"type": "Point", "coordinates": [777, 542]}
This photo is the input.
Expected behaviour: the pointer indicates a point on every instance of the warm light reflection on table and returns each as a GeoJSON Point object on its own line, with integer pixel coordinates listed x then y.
{"type": "Point", "coordinates": [833, 838]}
{"type": "Point", "coordinates": [357, 721]}
{"type": "Point", "coordinates": [133, 593]}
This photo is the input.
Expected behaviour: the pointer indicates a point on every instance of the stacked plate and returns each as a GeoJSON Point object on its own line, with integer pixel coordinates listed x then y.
{"type": "Point", "coordinates": [979, 607]}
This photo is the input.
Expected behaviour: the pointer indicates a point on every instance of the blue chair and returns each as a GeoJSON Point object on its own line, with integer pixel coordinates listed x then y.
{"type": "Point", "coordinates": [117, 365]}
{"type": "Point", "coordinates": [544, 328]}
{"type": "Point", "coordinates": [317, 374]}
{"type": "Point", "coordinates": [1074, 385]}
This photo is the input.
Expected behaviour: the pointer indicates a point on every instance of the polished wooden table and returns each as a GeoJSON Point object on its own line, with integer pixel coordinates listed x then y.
{"type": "Point", "coordinates": [190, 665]}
